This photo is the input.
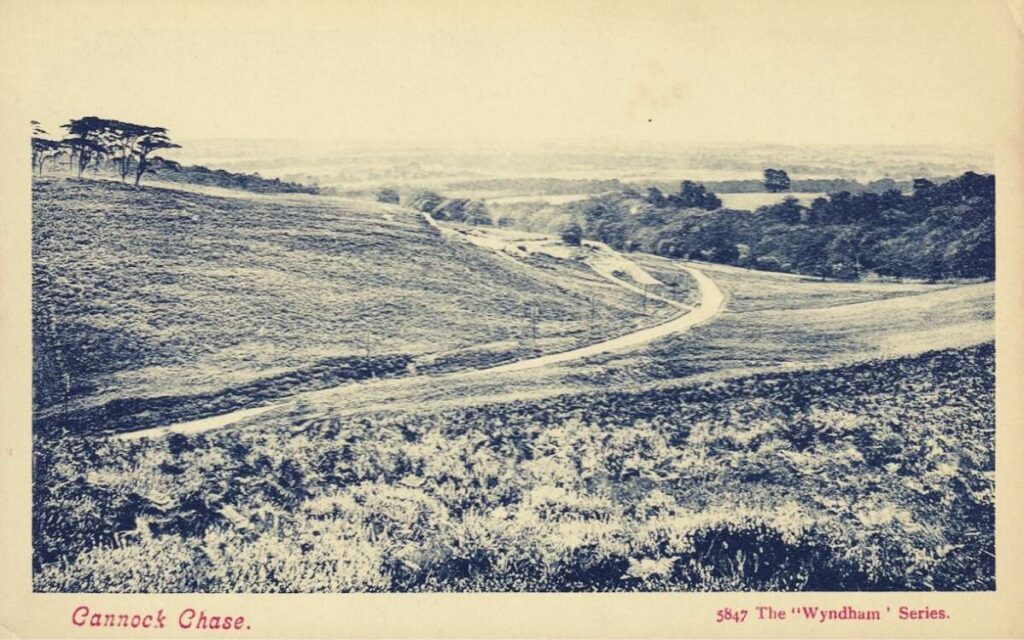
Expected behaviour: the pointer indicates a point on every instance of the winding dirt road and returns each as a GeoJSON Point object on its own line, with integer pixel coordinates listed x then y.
{"type": "Point", "coordinates": [711, 303]}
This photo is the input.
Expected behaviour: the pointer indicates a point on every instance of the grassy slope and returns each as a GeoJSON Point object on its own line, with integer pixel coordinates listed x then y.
{"type": "Point", "coordinates": [774, 320]}
{"type": "Point", "coordinates": [166, 293]}
{"type": "Point", "coordinates": [771, 321]}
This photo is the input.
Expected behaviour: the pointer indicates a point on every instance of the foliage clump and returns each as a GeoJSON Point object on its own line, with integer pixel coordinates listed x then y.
{"type": "Point", "coordinates": [938, 232]}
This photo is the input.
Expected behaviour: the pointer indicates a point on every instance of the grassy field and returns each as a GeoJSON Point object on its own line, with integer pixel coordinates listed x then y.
{"type": "Point", "coordinates": [782, 320]}
{"type": "Point", "coordinates": [771, 322]}
{"type": "Point", "coordinates": [160, 304]}
{"type": "Point", "coordinates": [877, 476]}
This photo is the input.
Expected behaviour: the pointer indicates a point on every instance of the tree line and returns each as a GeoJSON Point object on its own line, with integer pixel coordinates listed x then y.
{"type": "Point", "coordinates": [939, 231]}
{"type": "Point", "coordinates": [127, 149]}
{"type": "Point", "coordinates": [92, 141]}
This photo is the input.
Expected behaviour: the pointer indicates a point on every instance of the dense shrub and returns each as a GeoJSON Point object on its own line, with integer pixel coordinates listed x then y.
{"type": "Point", "coordinates": [389, 196]}
{"type": "Point", "coordinates": [451, 209]}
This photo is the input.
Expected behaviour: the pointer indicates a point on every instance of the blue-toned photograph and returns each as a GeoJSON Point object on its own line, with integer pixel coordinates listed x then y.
{"type": "Point", "coordinates": [458, 304]}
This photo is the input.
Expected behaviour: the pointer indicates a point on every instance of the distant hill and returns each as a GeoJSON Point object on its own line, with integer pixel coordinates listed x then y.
{"type": "Point", "coordinates": [170, 171]}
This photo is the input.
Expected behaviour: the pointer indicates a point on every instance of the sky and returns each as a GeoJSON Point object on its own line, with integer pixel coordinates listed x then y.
{"type": "Point", "coordinates": [794, 72]}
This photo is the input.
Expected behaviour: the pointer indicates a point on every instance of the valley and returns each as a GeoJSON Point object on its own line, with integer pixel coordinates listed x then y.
{"type": "Point", "coordinates": [361, 397]}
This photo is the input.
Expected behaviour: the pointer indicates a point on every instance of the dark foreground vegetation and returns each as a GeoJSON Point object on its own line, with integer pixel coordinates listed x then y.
{"type": "Point", "coordinates": [938, 232]}
{"type": "Point", "coordinates": [874, 476]}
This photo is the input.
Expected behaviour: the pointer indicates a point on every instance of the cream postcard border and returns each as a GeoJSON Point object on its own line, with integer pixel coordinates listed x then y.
{"type": "Point", "coordinates": [24, 614]}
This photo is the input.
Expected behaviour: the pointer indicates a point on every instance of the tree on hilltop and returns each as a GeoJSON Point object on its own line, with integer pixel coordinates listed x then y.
{"type": "Point", "coordinates": [126, 143]}
{"type": "Point", "coordinates": [43, 150]}
{"type": "Point", "coordinates": [776, 180]}
{"type": "Point", "coordinates": [88, 140]}
{"type": "Point", "coordinates": [123, 137]}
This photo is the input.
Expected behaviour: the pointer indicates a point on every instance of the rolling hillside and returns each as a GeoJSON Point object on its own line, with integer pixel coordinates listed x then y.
{"type": "Point", "coordinates": [774, 321]}
{"type": "Point", "coordinates": [813, 435]}
{"type": "Point", "coordinates": [161, 304]}
{"type": "Point", "coordinates": [771, 322]}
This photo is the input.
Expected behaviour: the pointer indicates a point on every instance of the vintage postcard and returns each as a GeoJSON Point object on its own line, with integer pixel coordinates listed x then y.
{"type": "Point", "coordinates": [505, 319]}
